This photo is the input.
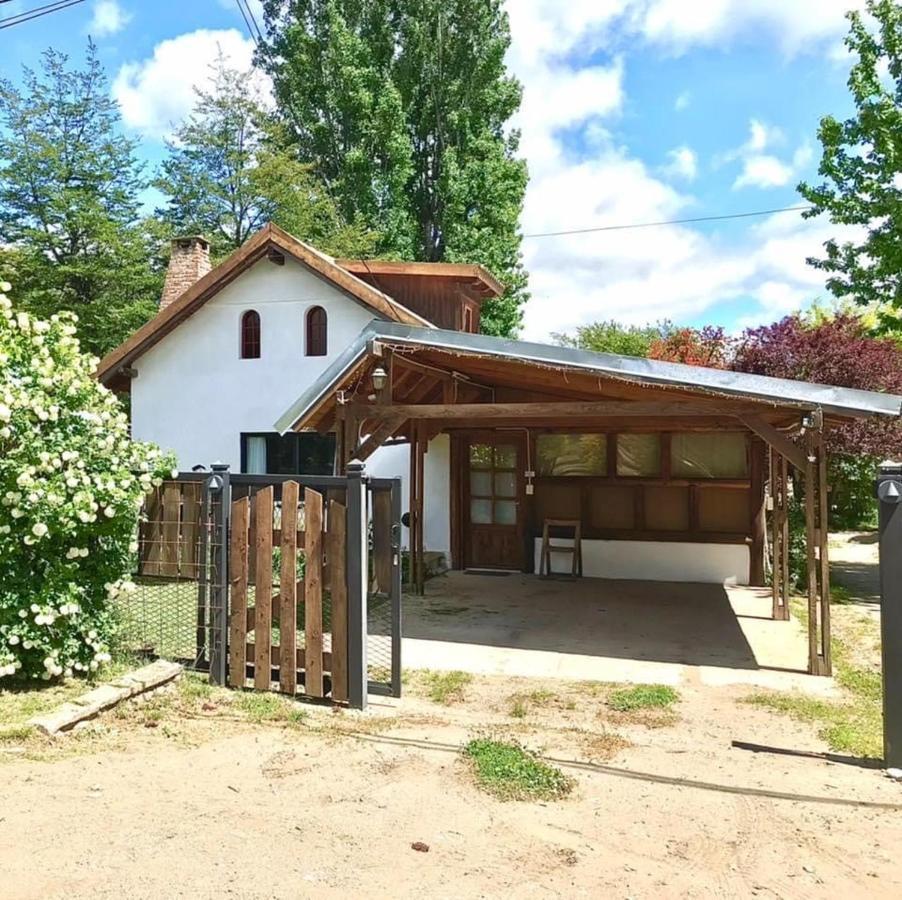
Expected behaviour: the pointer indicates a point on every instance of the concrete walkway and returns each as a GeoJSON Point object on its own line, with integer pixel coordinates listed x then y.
{"type": "Point", "coordinates": [855, 564]}
{"type": "Point", "coordinates": [605, 630]}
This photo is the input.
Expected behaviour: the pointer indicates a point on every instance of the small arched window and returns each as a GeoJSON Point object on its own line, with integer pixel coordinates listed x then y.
{"type": "Point", "coordinates": [316, 331]}
{"type": "Point", "coordinates": [250, 335]}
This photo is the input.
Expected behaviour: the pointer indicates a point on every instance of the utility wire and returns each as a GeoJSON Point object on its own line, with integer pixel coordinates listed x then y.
{"type": "Point", "coordinates": [37, 12]}
{"type": "Point", "coordinates": [253, 18]}
{"type": "Point", "coordinates": [744, 215]}
{"type": "Point", "coordinates": [247, 21]}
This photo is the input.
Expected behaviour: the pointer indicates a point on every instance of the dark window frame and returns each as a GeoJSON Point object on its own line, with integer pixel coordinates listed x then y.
{"type": "Point", "coordinates": [316, 332]}
{"type": "Point", "coordinates": [295, 439]}
{"type": "Point", "coordinates": [250, 335]}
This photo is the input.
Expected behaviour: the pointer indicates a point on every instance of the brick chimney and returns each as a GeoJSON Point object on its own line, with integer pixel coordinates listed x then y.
{"type": "Point", "coordinates": [189, 261]}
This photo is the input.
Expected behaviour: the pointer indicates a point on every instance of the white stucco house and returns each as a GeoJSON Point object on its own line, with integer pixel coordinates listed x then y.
{"type": "Point", "coordinates": [268, 362]}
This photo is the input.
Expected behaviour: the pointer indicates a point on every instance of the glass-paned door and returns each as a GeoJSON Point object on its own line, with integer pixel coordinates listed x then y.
{"type": "Point", "coordinates": [494, 533]}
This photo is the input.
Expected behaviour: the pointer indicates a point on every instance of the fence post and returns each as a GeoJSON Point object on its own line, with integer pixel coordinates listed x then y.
{"type": "Point", "coordinates": [357, 573]}
{"type": "Point", "coordinates": [219, 488]}
{"type": "Point", "coordinates": [889, 492]}
{"type": "Point", "coordinates": [396, 588]}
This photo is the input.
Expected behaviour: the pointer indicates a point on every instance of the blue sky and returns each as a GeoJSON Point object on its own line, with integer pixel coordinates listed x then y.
{"type": "Point", "coordinates": [634, 111]}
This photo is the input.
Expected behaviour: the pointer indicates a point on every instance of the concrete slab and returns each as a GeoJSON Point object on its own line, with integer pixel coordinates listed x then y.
{"type": "Point", "coordinates": [605, 630]}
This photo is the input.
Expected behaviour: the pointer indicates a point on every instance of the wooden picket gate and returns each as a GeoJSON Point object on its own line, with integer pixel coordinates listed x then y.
{"type": "Point", "coordinates": [292, 633]}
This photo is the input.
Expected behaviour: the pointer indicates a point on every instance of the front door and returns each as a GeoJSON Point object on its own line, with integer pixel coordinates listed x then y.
{"type": "Point", "coordinates": [493, 508]}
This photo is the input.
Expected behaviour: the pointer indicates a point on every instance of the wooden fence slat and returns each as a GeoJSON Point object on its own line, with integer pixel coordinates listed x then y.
{"type": "Point", "coordinates": [189, 545]}
{"type": "Point", "coordinates": [300, 655]}
{"type": "Point", "coordinates": [238, 574]}
{"type": "Point", "coordinates": [382, 549]}
{"type": "Point", "coordinates": [338, 590]}
{"type": "Point", "coordinates": [252, 540]}
{"type": "Point", "coordinates": [151, 543]}
{"type": "Point", "coordinates": [313, 592]}
{"type": "Point", "coordinates": [263, 505]}
{"type": "Point", "coordinates": [288, 614]}
{"type": "Point", "coordinates": [169, 551]}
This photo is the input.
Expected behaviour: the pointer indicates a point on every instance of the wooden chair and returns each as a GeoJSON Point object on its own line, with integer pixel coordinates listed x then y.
{"type": "Point", "coordinates": [576, 551]}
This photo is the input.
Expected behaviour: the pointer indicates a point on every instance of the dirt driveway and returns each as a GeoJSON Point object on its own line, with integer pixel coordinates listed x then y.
{"type": "Point", "coordinates": [202, 805]}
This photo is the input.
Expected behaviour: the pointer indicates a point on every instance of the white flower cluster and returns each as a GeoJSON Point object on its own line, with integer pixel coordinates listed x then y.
{"type": "Point", "coordinates": [71, 482]}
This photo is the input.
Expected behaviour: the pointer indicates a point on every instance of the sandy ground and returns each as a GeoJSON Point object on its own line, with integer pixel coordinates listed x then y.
{"type": "Point", "coordinates": [723, 800]}
{"type": "Point", "coordinates": [206, 807]}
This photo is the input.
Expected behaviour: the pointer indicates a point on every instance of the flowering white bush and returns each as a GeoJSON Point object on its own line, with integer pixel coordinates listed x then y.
{"type": "Point", "coordinates": [71, 486]}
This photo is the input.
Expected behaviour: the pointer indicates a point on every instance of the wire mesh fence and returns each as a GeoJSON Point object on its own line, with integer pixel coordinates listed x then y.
{"type": "Point", "coordinates": [180, 578]}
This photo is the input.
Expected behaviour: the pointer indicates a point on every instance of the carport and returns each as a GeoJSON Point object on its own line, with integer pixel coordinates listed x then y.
{"type": "Point", "coordinates": [597, 629]}
{"type": "Point", "coordinates": [669, 471]}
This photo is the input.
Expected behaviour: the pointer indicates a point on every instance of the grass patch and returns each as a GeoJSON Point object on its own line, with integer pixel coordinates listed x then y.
{"type": "Point", "coordinates": [521, 703]}
{"type": "Point", "coordinates": [604, 746]}
{"type": "Point", "coordinates": [642, 696]}
{"type": "Point", "coordinates": [260, 706]}
{"type": "Point", "coordinates": [510, 772]}
{"type": "Point", "coordinates": [853, 725]}
{"type": "Point", "coordinates": [446, 687]}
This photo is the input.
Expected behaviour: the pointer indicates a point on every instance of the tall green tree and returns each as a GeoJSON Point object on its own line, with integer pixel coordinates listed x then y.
{"type": "Point", "coordinates": [613, 337]}
{"type": "Point", "coordinates": [861, 167]}
{"type": "Point", "coordinates": [69, 208]}
{"type": "Point", "coordinates": [403, 107]}
{"type": "Point", "coordinates": [228, 172]}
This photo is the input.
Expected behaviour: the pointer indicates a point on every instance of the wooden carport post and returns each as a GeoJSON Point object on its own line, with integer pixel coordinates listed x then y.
{"type": "Point", "coordinates": [816, 533]}
{"type": "Point", "coordinates": [415, 487]}
{"type": "Point", "coordinates": [779, 491]}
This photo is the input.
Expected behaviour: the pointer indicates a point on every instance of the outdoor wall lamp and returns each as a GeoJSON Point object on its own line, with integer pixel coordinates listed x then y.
{"type": "Point", "coordinates": [380, 376]}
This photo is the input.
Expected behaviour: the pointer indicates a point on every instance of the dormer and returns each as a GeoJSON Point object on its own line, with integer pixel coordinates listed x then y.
{"type": "Point", "coordinates": [449, 295]}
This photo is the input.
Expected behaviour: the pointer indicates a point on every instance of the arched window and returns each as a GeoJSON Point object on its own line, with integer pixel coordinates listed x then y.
{"type": "Point", "coordinates": [316, 331]}
{"type": "Point", "coordinates": [250, 335]}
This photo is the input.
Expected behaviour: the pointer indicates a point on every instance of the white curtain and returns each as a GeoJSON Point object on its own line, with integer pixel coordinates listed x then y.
{"type": "Point", "coordinates": [256, 455]}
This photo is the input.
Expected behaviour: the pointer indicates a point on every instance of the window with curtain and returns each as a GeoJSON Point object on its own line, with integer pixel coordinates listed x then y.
{"type": "Point", "coordinates": [638, 455]}
{"type": "Point", "coordinates": [571, 454]}
{"type": "Point", "coordinates": [316, 332]}
{"type": "Point", "coordinates": [709, 455]}
{"type": "Point", "coordinates": [250, 335]}
{"type": "Point", "coordinates": [287, 454]}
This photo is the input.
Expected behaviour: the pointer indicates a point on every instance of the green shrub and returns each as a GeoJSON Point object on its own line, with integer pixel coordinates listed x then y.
{"type": "Point", "coordinates": [642, 696]}
{"type": "Point", "coordinates": [71, 484]}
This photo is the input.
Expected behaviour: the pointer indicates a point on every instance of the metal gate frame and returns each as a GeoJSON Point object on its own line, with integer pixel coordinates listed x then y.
{"type": "Point", "coordinates": [214, 582]}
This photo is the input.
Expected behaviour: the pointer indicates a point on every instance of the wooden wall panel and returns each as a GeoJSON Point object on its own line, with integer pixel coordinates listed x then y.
{"type": "Point", "coordinates": [666, 508]}
{"type": "Point", "coordinates": [723, 509]}
{"type": "Point", "coordinates": [612, 507]}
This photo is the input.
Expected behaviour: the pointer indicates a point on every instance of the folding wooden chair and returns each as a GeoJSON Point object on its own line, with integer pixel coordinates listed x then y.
{"type": "Point", "coordinates": [560, 527]}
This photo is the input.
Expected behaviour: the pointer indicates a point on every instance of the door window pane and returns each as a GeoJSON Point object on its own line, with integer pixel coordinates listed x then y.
{"type": "Point", "coordinates": [480, 456]}
{"type": "Point", "coordinates": [481, 484]}
{"type": "Point", "coordinates": [505, 484]}
{"type": "Point", "coordinates": [638, 455]}
{"type": "Point", "coordinates": [505, 512]}
{"type": "Point", "coordinates": [571, 454]}
{"type": "Point", "coordinates": [505, 457]}
{"type": "Point", "coordinates": [709, 455]}
{"type": "Point", "coordinates": [481, 512]}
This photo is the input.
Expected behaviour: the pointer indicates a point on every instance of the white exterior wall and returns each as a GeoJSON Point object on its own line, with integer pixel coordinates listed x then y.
{"type": "Point", "coordinates": [655, 561]}
{"type": "Point", "coordinates": [193, 393]}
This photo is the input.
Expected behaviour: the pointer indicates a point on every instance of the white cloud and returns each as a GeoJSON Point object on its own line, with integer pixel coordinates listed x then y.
{"type": "Point", "coordinates": [765, 170]}
{"type": "Point", "coordinates": [682, 101]}
{"type": "Point", "coordinates": [762, 171]}
{"type": "Point", "coordinates": [683, 163]}
{"type": "Point", "coordinates": [795, 25]}
{"type": "Point", "coordinates": [158, 92]}
{"type": "Point", "coordinates": [107, 18]}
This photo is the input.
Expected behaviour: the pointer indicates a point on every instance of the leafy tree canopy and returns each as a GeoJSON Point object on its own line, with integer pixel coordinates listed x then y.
{"type": "Point", "coordinates": [403, 109]}
{"type": "Point", "coordinates": [861, 167]}
{"type": "Point", "coordinates": [69, 208]}
{"type": "Point", "coordinates": [613, 337]}
{"type": "Point", "coordinates": [228, 173]}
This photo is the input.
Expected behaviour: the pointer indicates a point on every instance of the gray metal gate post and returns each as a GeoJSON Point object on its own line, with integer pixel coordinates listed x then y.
{"type": "Point", "coordinates": [396, 588]}
{"type": "Point", "coordinates": [889, 492]}
{"type": "Point", "coordinates": [358, 576]}
{"type": "Point", "coordinates": [218, 487]}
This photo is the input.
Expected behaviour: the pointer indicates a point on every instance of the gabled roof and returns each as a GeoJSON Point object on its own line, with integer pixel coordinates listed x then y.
{"type": "Point", "coordinates": [478, 278]}
{"type": "Point", "coordinates": [269, 238]}
{"type": "Point", "coordinates": [465, 352]}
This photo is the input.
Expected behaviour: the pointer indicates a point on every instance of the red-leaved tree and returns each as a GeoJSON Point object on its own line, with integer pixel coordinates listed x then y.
{"type": "Point", "coordinates": [708, 346]}
{"type": "Point", "coordinates": [840, 352]}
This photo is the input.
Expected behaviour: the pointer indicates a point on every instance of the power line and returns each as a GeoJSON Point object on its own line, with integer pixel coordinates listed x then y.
{"type": "Point", "coordinates": [253, 18]}
{"type": "Point", "coordinates": [247, 21]}
{"type": "Point", "coordinates": [250, 21]}
{"type": "Point", "coordinates": [37, 12]}
{"type": "Point", "coordinates": [743, 215]}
